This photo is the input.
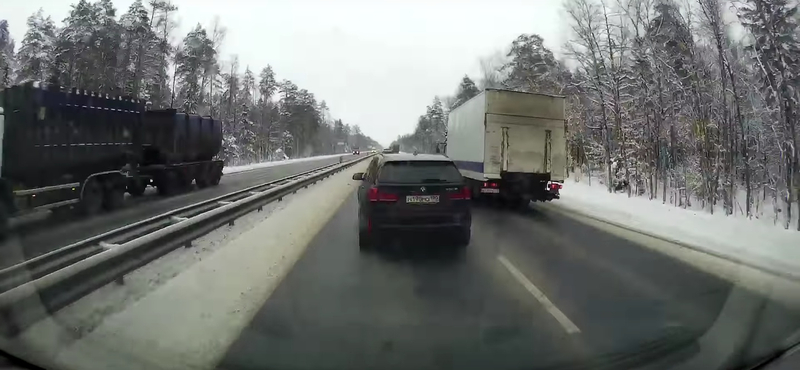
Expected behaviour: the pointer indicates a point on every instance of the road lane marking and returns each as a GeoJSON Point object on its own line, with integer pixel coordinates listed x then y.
{"type": "Point", "coordinates": [562, 319]}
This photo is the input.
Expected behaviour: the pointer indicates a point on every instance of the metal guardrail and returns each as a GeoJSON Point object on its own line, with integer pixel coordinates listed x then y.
{"type": "Point", "coordinates": [42, 265]}
{"type": "Point", "coordinates": [65, 275]}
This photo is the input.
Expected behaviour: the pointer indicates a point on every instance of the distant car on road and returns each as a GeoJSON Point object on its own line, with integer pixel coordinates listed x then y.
{"type": "Point", "coordinates": [387, 151]}
{"type": "Point", "coordinates": [356, 151]}
{"type": "Point", "coordinates": [407, 194]}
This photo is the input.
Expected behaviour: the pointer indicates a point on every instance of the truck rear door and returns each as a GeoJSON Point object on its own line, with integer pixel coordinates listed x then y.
{"type": "Point", "coordinates": [514, 144]}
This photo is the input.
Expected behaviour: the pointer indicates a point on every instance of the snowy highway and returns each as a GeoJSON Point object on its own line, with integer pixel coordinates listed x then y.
{"type": "Point", "coordinates": [535, 288]}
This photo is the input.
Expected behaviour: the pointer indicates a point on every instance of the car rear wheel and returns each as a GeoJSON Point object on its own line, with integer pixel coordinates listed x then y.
{"type": "Point", "coordinates": [463, 237]}
{"type": "Point", "coordinates": [364, 241]}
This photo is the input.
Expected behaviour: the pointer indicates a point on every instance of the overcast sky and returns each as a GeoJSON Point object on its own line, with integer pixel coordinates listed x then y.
{"type": "Point", "coordinates": [376, 63]}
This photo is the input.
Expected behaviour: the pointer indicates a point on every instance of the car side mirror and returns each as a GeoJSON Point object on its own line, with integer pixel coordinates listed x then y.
{"type": "Point", "coordinates": [358, 176]}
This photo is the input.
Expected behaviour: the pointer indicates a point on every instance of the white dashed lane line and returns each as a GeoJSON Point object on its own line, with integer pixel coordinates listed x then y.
{"type": "Point", "coordinates": [562, 319]}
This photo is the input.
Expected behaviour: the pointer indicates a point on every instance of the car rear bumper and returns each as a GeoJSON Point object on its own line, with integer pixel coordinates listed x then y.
{"type": "Point", "coordinates": [406, 228]}
{"type": "Point", "coordinates": [421, 231]}
{"type": "Point", "coordinates": [417, 234]}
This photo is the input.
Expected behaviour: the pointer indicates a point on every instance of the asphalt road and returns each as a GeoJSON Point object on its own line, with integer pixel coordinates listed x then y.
{"type": "Point", "coordinates": [533, 289]}
{"type": "Point", "coordinates": [37, 238]}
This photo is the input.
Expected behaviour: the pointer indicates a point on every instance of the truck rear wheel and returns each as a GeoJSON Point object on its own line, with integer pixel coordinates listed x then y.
{"type": "Point", "coordinates": [215, 176]}
{"type": "Point", "coordinates": [168, 183]}
{"type": "Point", "coordinates": [184, 181]}
{"type": "Point", "coordinates": [4, 214]}
{"type": "Point", "coordinates": [136, 189]}
{"type": "Point", "coordinates": [201, 179]}
{"type": "Point", "coordinates": [92, 198]}
{"type": "Point", "coordinates": [113, 198]}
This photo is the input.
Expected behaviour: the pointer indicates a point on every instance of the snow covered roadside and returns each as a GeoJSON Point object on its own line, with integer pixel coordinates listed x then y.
{"type": "Point", "coordinates": [248, 167]}
{"type": "Point", "coordinates": [748, 242]}
{"type": "Point", "coordinates": [190, 319]}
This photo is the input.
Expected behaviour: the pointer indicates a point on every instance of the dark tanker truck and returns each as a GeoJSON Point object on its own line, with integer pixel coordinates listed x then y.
{"type": "Point", "coordinates": [74, 149]}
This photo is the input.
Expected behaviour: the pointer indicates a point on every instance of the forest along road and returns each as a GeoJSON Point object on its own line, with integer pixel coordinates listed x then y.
{"type": "Point", "coordinates": [42, 237]}
{"type": "Point", "coordinates": [532, 289]}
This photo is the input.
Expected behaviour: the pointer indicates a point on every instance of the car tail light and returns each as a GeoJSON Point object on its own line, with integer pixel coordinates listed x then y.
{"type": "Point", "coordinates": [461, 194]}
{"type": "Point", "coordinates": [555, 186]}
{"type": "Point", "coordinates": [375, 195]}
{"type": "Point", "coordinates": [489, 184]}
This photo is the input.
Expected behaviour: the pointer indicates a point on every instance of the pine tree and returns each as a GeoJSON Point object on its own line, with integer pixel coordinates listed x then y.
{"type": "Point", "coordinates": [532, 66]}
{"type": "Point", "coordinates": [138, 43]}
{"type": "Point", "coordinates": [6, 55]}
{"type": "Point", "coordinates": [196, 50]}
{"type": "Point", "coordinates": [158, 83]}
{"type": "Point", "coordinates": [36, 52]}
{"type": "Point", "coordinates": [466, 90]}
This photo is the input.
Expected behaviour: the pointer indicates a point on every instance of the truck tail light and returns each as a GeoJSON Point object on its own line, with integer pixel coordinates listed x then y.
{"type": "Point", "coordinates": [462, 194]}
{"type": "Point", "coordinates": [375, 195]}
{"type": "Point", "coordinates": [555, 186]}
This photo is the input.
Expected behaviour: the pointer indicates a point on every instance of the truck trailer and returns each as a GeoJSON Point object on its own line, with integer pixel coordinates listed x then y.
{"type": "Point", "coordinates": [510, 145]}
{"type": "Point", "coordinates": [80, 150]}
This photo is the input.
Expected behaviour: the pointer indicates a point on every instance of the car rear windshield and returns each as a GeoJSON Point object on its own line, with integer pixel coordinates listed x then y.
{"type": "Point", "coordinates": [415, 172]}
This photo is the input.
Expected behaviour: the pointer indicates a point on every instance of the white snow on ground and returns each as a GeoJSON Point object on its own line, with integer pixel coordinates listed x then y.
{"type": "Point", "coordinates": [739, 239]}
{"type": "Point", "coordinates": [248, 167]}
{"type": "Point", "coordinates": [184, 310]}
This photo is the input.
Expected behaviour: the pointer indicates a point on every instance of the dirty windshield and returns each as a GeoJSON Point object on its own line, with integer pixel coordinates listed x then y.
{"type": "Point", "coordinates": [352, 184]}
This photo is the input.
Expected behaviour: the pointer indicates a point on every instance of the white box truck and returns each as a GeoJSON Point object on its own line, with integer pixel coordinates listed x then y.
{"type": "Point", "coordinates": [510, 145]}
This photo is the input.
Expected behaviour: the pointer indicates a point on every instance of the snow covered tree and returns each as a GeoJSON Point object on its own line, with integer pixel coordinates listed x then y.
{"type": "Point", "coordinates": [466, 90]}
{"type": "Point", "coordinates": [35, 54]}
{"type": "Point", "coordinates": [138, 43]}
{"type": "Point", "coordinates": [6, 54]}
{"type": "Point", "coordinates": [266, 111]}
{"type": "Point", "coordinates": [776, 51]}
{"type": "Point", "coordinates": [247, 94]}
{"type": "Point", "coordinates": [532, 66]}
{"type": "Point", "coordinates": [133, 56]}
{"type": "Point", "coordinates": [196, 50]}
{"type": "Point", "coordinates": [158, 84]}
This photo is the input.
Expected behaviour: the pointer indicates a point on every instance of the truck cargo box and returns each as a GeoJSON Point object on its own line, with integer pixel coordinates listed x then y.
{"type": "Point", "coordinates": [500, 131]}
{"type": "Point", "coordinates": [54, 136]}
{"type": "Point", "coordinates": [170, 137]}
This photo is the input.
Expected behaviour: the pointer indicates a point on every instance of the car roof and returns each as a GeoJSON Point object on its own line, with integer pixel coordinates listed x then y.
{"type": "Point", "coordinates": [398, 157]}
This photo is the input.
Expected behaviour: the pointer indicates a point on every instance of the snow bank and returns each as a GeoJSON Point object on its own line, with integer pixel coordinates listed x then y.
{"type": "Point", "coordinates": [185, 309]}
{"type": "Point", "coordinates": [248, 167]}
{"type": "Point", "coordinates": [737, 239]}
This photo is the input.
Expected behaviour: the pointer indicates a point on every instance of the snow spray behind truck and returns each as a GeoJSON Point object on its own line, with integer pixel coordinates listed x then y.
{"type": "Point", "coordinates": [82, 150]}
{"type": "Point", "coordinates": [510, 145]}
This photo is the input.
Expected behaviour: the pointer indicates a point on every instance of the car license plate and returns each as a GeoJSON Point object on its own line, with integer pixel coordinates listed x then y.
{"type": "Point", "coordinates": [490, 190]}
{"type": "Point", "coordinates": [422, 199]}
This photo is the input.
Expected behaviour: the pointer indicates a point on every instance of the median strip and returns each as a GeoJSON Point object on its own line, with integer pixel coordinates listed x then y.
{"type": "Point", "coordinates": [26, 303]}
